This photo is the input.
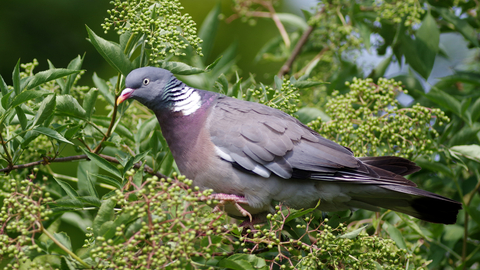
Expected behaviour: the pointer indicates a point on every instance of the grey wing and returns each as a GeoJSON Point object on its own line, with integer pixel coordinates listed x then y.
{"type": "Point", "coordinates": [263, 140]}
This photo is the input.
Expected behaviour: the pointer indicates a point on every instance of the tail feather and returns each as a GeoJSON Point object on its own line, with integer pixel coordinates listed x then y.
{"type": "Point", "coordinates": [405, 197]}
{"type": "Point", "coordinates": [392, 164]}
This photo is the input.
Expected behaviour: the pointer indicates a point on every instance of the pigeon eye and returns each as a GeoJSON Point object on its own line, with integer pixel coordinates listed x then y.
{"type": "Point", "coordinates": [146, 81]}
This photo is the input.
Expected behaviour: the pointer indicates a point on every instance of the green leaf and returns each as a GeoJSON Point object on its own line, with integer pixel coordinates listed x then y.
{"type": "Point", "coordinates": [380, 69]}
{"type": "Point", "coordinates": [16, 78]}
{"type": "Point", "coordinates": [475, 110]}
{"type": "Point", "coordinates": [75, 64]}
{"type": "Point", "coordinates": [21, 117]}
{"type": "Point", "coordinates": [102, 86]}
{"type": "Point", "coordinates": [51, 133]}
{"type": "Point", "coordinates": [84, 169]}
{"type": "Point", "coordinates": [111, 52]}
{"type": "Point", "coordinates": [49, 75]}
{"type": "Point", "coordinates": [104, 214]}
{"type": "Point", "coordinates": [103, 163]}
{"type": "Point", "coordinates": [208, 30]}
{"type": "Point", "coordinates": [46, 109]}
{"type": "Point", "coordinates": [108, 180]}
{"type": "Point", "coordinates": [69, 106]}
{"type": "Point", "coordinates": [293, 20]}
{"type": "Point", "coordinates": [120, 128]}
{"type": "Point", "coordinates": [444, 100]}
{"type": "Point", "coordinates": [91, 186]}
{"type": "Point", "coordinates": [453, 233]}
{"type": "Point", "coordinates": [460, 25]}
{"type": "Point", "coordinates": [308, 114]}
{"type": "Point", "coordinates": [67, 188]}
{"type": "Point", "coordinates": [180, 68]}
{"type": "Point", "coordinates": [469, 151]}
{"type": "Point", "coordinates": [26, 96]}
{"type": "Point", "coordinates": [3, 86]}
{"type": "Point", "coordinates": [395, 234]}
{"type": "Point", "coordinates": [420, 53]}
{"type": "Point", "coordinates": [243, 261]}
{"type": "Point", "coordinates": [353, 234]}
{"type": "Point", "coordinates": [90, 200]}
{"type": "Point", "coordinates": [64, 239]}
{"type": "Point", "coordinates": [145, 129]}
{"type": "Point", "coordinates": [306, 84]}
{"type": "Point", "coordinates": [89, 102]}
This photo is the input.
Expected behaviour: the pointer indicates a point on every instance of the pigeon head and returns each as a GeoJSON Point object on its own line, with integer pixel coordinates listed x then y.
{"type": "Point", "coordinates": [149, 86]}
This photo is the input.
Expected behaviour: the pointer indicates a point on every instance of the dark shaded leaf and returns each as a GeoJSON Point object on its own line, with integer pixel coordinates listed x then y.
{"type": "Point", "coordinates": [103, 163]}
{"type": "Point", "coordinates": [104, 214]}
{"type": "Point", "coordinates": [89, 102]}
{"type": "Point", "coordinates": [75, 64]}
{"type": "Point", "coordinates": [46, 109]}
{"type": "Point", "coordinates": [111, 52]}
{"type": "Point", "coordinates": [102, 86]}
{"type": "Point", "coordinates": [67, 188]}
{"type": "Point", "coordinates": [21, 117]}
{"type": "Point", "coordinates": [67, 105]}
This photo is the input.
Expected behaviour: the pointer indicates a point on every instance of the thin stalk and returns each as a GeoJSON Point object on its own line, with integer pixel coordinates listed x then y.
{"type": "Point", "coordinates": [60, 245]}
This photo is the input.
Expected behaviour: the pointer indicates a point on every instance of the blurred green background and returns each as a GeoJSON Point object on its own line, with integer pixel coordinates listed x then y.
{"type": "Point", "coordinates": [55, 30]}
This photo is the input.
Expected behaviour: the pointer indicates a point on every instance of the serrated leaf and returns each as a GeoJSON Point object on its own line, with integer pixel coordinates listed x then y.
{"type": "Point", "coordinates": [52, 134]}
{"type": "Point", "coordinates": [104, 214]}
{"type": "Point", "coordinates": [67, 105]}
{"type": "Point", "coordinates": [111, 52]}
{"type": "Point", "coordinates": [67, 188]}
{"type": "Point", "coordinates": [353, 234]}
{"type": "Point", "coordinates": [49, 75]}
{"type": "Point", "coordinates": [102, 86]}
{"type": "Point", "coordinates": [103, 163]}
{"type": "Point", "coordinates": [180, 68]}
{"type": "Point", "coordinates": [46, 109]}
{"type": "Point", "coordinates": [90, 200]}
{"type": "Point", "coordinates": [26, 96]}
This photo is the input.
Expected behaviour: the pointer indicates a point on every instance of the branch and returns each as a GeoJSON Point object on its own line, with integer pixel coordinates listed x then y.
{"type": "Point", "coordinates": [46, 160]}
{"type": "Point", "coordinates": [296, 51]}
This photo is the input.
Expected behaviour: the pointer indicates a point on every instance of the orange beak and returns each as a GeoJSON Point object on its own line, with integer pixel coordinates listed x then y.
{"type": "Point", "coordinates": [126, 93]}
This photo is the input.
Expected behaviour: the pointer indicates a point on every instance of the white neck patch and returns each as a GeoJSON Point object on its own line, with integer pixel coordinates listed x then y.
{"type": "Point", "coordinates": [188, 102]}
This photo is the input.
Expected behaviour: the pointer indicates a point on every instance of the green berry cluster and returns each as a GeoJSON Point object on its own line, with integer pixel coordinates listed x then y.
{"type": "Point", "coordinates": [23, 210]}
{"type": "Point", "coordinates": [311, 244]}
{"type": "Point", "coordinates": [368, 119]}
{"type": "Point", "coordinates": [332, 29]}
{"type": "Point", "coordinates": [164, 223]}
{"type": "Point", "coordinates": [165, 29]}
{"type": "Point", "coordinates": [398, 10]}
{"type": "Point", "coordinates": [285, 98]}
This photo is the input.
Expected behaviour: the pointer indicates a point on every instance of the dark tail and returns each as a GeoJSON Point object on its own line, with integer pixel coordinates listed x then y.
{"type": "Point", "coordinates": [409, 199]}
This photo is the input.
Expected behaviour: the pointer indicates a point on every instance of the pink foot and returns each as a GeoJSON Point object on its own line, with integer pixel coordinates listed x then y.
{"type": "Point", "coordinates": [235, 200]}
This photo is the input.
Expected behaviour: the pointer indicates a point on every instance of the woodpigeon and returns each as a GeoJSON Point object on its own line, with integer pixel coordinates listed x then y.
{"type": "Point", "coordinates": [253, 156]}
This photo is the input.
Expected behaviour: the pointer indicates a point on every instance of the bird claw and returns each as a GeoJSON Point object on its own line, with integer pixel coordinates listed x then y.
{"type": "Point", "coordinates": [230, 198]}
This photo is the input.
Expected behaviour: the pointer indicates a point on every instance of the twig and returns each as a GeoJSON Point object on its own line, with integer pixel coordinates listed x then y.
{"type": "Point", "coordinates": [60, 245]}
{"type": "Point", "coordinates": [137, 165]}
{"type": "Point", "coordinates": [9, 158]}
{"type": "Point", "coordinates": [296, 51]}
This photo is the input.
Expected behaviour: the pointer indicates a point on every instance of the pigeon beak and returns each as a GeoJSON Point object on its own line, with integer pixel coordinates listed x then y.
{"type": "Point", "coordinates": [126, 93]}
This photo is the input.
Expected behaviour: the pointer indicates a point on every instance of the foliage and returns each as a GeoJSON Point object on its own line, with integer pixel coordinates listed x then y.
{"type": "Point", "coordinates": [120, 209]}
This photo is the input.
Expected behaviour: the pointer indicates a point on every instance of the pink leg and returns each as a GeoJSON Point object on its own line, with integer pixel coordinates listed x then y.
{"type": "Point", "coordinates": [231, 198]}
